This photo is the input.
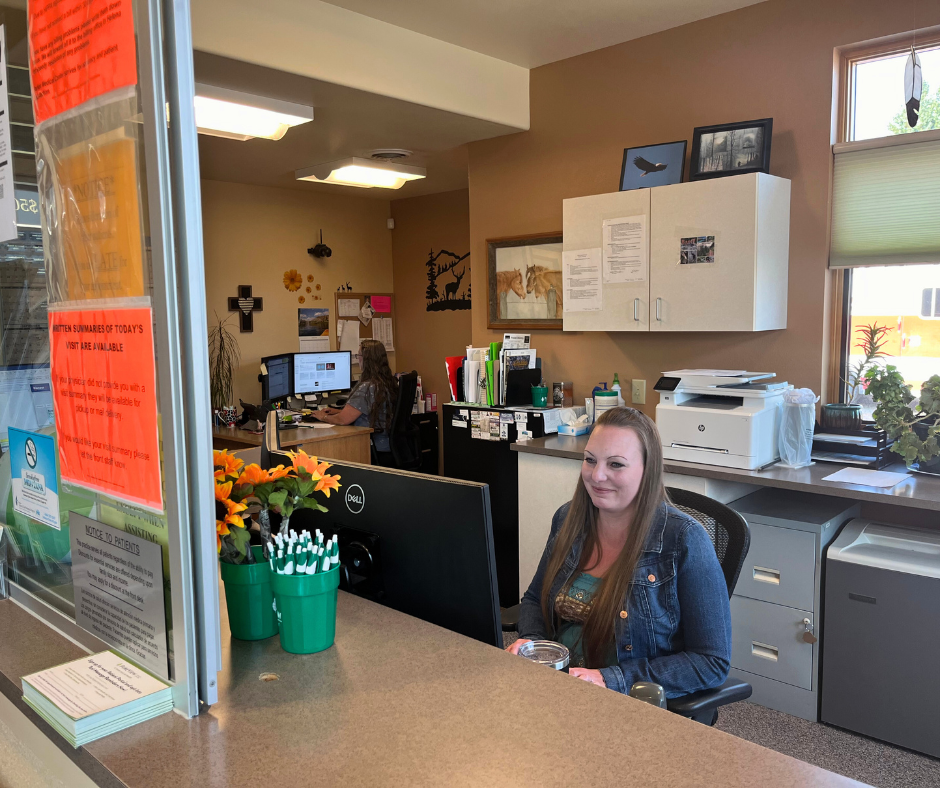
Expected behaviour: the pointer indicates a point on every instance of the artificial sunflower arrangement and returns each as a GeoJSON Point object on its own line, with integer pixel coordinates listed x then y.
{"type": "Point", "coordinates": [281, 489]}
{"type": "Point", "coordinates": [293, 280]}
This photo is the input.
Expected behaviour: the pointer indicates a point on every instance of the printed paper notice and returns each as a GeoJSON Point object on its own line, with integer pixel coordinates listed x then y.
{"type": "Point", "coordinates": [93, 684]}
{"type": "Point", "coordinates": [118, 580]}
{"type": "Point", "coordinates": [79, 49]}
{"type": "Point", "coordinates": [625, 249]}
{"type": "Point", "coordinates": [34, 479]}
{"type": "Point", "coordinates": [314, 344]}
{"type": "Point", "coordinates": [348, 307]}
{"type": "Point", "coordinates": [382, 304]}
{"type": "Point", "coordinates": [349, 335]}
{"type": "Point", "coordinates": [382, 331]}
{"type": "Point", "coordinates": [105, 401]}
{"type": "Point", "coordinates": [582, 280]}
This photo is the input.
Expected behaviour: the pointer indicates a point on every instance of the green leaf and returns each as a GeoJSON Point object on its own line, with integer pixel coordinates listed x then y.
{"type": "Point", "coordinates": [277, 498]}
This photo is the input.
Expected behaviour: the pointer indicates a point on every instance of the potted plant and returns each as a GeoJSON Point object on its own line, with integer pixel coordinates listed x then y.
{"type": "Point", "coordinates": [916, 431]}
{"type": "Point", "coordinates": [246, 572]}
{"type": "Point", "coordinates": [848, 415]}
{"type": "Point", "coordinates": [224, 358]}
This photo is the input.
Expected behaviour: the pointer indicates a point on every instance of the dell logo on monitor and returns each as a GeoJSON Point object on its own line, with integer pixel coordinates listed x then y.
{"type": "Point", "coordinates": [355, 499]}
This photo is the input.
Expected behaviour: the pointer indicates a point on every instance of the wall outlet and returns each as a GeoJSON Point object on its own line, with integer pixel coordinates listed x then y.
{"type": "Point", "coordinates": [638, 389]}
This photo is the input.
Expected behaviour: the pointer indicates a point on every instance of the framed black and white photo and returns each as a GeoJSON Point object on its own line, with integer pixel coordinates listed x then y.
{"type": "Point", "coordinates": [652, 165]}
{"type": "Point", "coordinates": [730, 149]}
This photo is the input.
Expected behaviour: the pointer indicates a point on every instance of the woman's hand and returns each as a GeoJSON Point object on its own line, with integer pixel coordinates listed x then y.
{"type": "Point", "coordinates": [514, 648]}
{"type": "Point", "coordinates": [586, 674]}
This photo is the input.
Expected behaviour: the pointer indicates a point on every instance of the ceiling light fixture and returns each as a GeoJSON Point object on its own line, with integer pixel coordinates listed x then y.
{"type": "Point", "coordinates": [241, 116]}
{"type": "Point", "coordinates": [364, 173]}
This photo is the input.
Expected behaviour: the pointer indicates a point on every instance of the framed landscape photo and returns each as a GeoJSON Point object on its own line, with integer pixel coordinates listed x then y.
{"type": "Point", "coordinates": [523, 278]}
{"type": "Point", "coordinates": [731, 149]}
{"type": "Point", "coordinates": [652, 165]}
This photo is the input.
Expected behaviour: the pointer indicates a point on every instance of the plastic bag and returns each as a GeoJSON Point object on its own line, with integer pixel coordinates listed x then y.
{"type": "Point", "coordinates": [797, 419]}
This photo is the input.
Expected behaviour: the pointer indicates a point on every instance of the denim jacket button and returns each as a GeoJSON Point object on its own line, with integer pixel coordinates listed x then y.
{"type": "Point", "coordinates": [651, 578]}
{"type": "Point", "coordinates": [623, 613]}
{"type": "Point", "coordinates": [629, 648]}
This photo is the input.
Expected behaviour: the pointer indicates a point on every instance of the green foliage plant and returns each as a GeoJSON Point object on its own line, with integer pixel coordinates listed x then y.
{"type": "Point", "coordinates": [928, 115]}
{"type": "Point", "coordinates": [224, 358]}
{"type": "Point", "coordinates": [872, 339]}
{"type": "Point", "coordinates": [896, 417]}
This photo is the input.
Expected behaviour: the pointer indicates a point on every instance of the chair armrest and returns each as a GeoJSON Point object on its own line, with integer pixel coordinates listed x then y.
{"type": "Point", "coordinates": [702, 701]}
{"type": "Point", "coordinates": [510, 618]}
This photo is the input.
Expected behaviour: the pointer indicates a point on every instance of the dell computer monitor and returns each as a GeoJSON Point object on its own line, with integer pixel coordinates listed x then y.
{"type": "Point", "coordinates": [315, 372]}
{"type": "Point", "coordinates": [278, 383]}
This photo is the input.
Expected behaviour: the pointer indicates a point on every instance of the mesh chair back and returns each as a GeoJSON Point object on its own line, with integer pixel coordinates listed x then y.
{"type": "Point", "coordinates": [728, 530]}
{"type": "Point", "coordinates": [404, 437]}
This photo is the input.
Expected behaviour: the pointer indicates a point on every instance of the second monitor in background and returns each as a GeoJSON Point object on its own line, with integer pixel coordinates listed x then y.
{"type": "Point", "coordinates": [278, 380]}
{"type": "Point", "coordinates": [321, 372]}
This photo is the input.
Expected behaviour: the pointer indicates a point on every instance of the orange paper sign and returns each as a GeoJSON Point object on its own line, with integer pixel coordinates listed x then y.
{"type": "Point", "coordinates": [79, 49]}
{"type": "Point", "coordinates": [105, 399]}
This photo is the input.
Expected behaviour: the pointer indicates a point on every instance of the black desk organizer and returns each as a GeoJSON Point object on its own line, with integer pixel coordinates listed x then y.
{"type": "Point", "coordinates": [874, 453]}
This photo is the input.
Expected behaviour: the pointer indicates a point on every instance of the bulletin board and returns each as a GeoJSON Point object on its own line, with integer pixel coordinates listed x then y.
{"type": "Point", "coordinates": [372, 330]}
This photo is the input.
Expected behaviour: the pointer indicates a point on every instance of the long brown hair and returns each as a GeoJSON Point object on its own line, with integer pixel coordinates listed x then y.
{"type": "Point", "coordinates": [375, 370]}
{"type": "Point", "coordinates": [611, 595]}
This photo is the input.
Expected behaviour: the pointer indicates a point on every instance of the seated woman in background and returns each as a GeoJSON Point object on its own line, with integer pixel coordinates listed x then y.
{"type": "Point", "coordinates": [372, 401]}
{"type": "Point", "coordinates": [631, 585]}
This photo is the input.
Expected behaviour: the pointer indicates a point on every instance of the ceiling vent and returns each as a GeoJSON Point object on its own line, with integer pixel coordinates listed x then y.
{"type": "Point", "coordinates": [390, 154]}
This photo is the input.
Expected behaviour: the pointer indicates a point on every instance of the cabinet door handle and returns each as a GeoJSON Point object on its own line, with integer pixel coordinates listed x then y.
{"type": "Point", "coordinates": [636, 309]}
{"type": "Point", "coordinates": [764, 575]}
{"type": "Point", "coordinates": [659, 309]}
{"type": "Point", "coordinates": [764, 651]}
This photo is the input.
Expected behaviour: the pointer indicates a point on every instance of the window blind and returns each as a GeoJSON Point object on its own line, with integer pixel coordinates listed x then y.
{"type": "Point", "coordinates": [886, 201]}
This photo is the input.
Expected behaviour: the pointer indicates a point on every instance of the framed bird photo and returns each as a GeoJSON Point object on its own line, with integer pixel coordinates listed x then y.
{"type": "Point", "coordinates": [652, 165]}
{"type": "Point", "coordinates": [731, 149]}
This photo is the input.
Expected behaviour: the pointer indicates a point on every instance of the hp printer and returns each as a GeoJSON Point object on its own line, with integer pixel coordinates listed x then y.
{"type": "Point", "coordinates": [719, 416]}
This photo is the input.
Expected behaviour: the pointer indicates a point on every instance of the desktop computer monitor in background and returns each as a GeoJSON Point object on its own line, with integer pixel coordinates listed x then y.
{"type": "Point", "coordinates": [316, 372]}
{"type": "Point", "coordinates": [279, 382]}
{"type": "Point", "coordinates": [419, 544]}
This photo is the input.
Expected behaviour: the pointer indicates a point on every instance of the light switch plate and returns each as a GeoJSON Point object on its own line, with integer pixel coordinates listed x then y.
{"type": "Point", "coordinates": [638, 390]}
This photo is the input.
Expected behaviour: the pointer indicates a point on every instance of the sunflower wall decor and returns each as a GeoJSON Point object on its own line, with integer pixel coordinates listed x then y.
{"type": "Point", "coordinates": [301, 299]}
{"type": "Point", "coordinates": [293, 280]}
{"type": "Point", "coordinates": [309, 289]}
{"type": "Point", "coordinates": [309, 277]}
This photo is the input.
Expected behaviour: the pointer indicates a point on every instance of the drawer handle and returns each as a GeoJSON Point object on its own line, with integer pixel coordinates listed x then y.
{"type": "Point", "coordinates": [764, 651]}
{"type": "Point", "coordinates": [764, 575]}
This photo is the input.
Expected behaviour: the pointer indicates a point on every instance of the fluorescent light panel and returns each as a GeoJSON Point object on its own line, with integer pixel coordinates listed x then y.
{"type": "Point", "coordinates": [241, 116]}
{"type": "Point", "coordinates": [364, 173]}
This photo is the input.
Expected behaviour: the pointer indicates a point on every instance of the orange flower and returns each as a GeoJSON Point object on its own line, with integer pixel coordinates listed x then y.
{"type": "Point", "coordinates": [253, 475]}
{"type": "Point", "coordinates": [229, 464]}
{"type": "Point", "coordinates": [223, 491]}
{"type": "Point", "coordinates": [293, 280]}
{"type": "Point", "coordinates": [221, 529]}
{"type": "Point", "coordinates": [234, 509]}
{"type": "Point", "coordinates": [304, 462]}
{"type": "Point", "coordinates": [279, 473]}
{"type": "Point", "coordinates": [327, 483]}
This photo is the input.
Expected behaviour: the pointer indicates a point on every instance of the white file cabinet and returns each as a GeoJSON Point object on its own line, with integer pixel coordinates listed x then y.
{"type": "Point", "coordinates": [777, 597]}
{"type": "Point", "coordinates": [743, 288]}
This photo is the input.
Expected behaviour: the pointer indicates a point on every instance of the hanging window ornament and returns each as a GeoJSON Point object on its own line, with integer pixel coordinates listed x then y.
{"type": "Point", "coordinates": [913, 87]}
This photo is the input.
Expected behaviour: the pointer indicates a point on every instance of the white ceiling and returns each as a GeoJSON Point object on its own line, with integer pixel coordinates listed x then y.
{"type": "Point", "coordinates": [347, 122]}
{"type": "Point", "coordinates": [531, 33]}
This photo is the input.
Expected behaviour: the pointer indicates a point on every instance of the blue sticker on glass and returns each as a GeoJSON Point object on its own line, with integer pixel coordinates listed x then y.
{"type": "Point", "coordinates": [35, 481]}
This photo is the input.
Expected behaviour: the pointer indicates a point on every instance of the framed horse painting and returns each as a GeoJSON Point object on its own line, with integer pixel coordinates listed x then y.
{"type": "Point", "coordinates": [524, 282]}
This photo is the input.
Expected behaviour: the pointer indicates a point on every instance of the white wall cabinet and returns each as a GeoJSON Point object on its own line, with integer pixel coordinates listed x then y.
{"type": "Point", "coordinates": [744, 289]}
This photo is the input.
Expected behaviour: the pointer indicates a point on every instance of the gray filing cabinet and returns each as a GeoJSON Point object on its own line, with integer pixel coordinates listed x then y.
{"type": "Point", "coordinates": [776, 603]}
{"type": "Point", "coordinates": [880, 673]}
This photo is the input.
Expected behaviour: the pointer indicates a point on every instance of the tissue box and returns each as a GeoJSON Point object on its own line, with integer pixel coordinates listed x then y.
{"type": "Point", "coordinates": [574, 429]}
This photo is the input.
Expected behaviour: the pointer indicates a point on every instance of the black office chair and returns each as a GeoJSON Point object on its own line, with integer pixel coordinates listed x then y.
{"type": "Point", "coordinates": [404, 437]}
{"type": "Point", "coordinates": [731, 536]}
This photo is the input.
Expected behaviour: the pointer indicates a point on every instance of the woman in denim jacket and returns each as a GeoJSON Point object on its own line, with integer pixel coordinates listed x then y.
{"type": "Point", "coordinates": [630, 584]}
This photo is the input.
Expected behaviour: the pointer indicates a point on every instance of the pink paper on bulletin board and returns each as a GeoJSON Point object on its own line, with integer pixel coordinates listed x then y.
{"type": "Point", "coordinates": [382, 303]}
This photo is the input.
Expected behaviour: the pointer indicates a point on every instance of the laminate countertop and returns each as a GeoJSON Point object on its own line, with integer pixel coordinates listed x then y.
{"type": "Point", "coordinates": [293, 436]}
{"type": "Point", "coordinates": [397, 701]}
{"type": "Point", "coordinates": [919, 492]}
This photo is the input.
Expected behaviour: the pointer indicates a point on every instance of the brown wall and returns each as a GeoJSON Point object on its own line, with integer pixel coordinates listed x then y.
{"type": "Point", "coordinates": [774, 60]}
{"type": "Point", "coordinates": [424, 338]}
{"type": "Point", "coordinates": [253, 234]}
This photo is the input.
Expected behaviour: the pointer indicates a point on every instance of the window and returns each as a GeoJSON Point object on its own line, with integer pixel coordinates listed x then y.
{"type": "Point", "coordinates": [903, 296]}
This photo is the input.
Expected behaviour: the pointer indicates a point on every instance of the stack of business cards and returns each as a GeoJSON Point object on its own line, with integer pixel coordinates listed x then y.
{"type": "Point", "coordinates": [95, 696]}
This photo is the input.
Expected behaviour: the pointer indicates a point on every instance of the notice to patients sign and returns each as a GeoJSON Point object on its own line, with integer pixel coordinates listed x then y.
{"type": "Point", "coordinates": [105, 399]}
{"type": "Point", "coordinates": [79, 49]}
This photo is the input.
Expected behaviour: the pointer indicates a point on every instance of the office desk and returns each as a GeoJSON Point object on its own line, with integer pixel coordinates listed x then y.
{"type": "Point", "coordinates": [399, 702]}
{"type": "Point", "coordinates": [334, 443]}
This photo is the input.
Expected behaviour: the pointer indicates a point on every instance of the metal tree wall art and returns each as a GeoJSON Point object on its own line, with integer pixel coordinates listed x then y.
{"type": "Point", "coordinates": [451, 298]}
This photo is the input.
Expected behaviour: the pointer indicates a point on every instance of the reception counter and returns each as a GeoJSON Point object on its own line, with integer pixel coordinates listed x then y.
{"type": "Point", "coordinates": [324, 440]}
{"type": "Point", "coordinates": [397, 701]}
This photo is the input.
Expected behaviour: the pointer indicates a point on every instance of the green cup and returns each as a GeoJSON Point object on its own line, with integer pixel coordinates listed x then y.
{"type": "Point", "coordinates": [306, 610]}
{"type": "Point", "coordinates": [250, 598]}
{"type": "Point", "coordinates": [540, 396]}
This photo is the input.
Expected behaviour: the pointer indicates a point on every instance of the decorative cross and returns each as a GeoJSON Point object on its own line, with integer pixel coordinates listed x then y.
{"type": "Point", "coordinates": [245, 304]}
